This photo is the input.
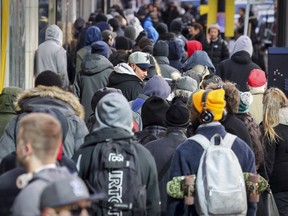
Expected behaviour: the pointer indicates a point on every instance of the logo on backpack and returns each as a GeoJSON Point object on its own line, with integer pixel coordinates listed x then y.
{"type": "Point", "coordinates": [115, 171]}
{"type": "Point", "coordinates": [220, 187]}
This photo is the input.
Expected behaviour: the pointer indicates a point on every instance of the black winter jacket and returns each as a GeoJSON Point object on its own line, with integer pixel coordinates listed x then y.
{"type": "Point", "coordinates": [237, 69]}
{"type": "Point", "coordinates": [146, 161]}
{"type": "Point", "coordinates": [217, 50]}
{"type": "Point", "coordinates": [162, 150]}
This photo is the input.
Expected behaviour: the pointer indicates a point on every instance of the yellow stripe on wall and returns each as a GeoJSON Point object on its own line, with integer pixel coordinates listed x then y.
{"type": "Point", "coordinates": [229, 22]}
{"type": "Point", "coordinates": [213, 10]}
{"type": "Point", "coordinates": [4, 39]}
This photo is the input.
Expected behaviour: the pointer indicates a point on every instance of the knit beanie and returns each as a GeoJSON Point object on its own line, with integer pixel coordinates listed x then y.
{"type": "Point", "coordinates": [114, 23]}
{"type": "Point", "coordinates": [162, 28]}
{"type": "Point", "coordinates": [257, 78]}
{"type": "Point", "coordinates": [100, 94]}
{"type": "Point", "coordinates": [103, 26]}
{"type": "Point", "coordinates": [101, 48]}
{"type": "Point", "coordinates": [178, 115]}
{"type": "Point", "coordinates": [157, 86]}
{"type": "Point", "coordinates": [176, 25]}
{"type": "Point", "coordinates": [48, 78]}
{"type": "Point", "coordinates": [246, 100]}
{"type": "Point", "coordinates": [161, 48]}
{"type": "Point", "coordinates": [192, 46]}
{"type": "Point", "coordinates": [113, 111]}
{"type": "Point", "coordinates": [187, 84]}
{"type": "Point", "coordinates": [154, 111]}
{"type": "Point", "coordinates": [215, 102]}
{"type": "Point", "coordinates": [122, 43]}
{"type": "Point", "coordinates": [214, 26]}
{"type": "Point", "coordinates": [130, 32]}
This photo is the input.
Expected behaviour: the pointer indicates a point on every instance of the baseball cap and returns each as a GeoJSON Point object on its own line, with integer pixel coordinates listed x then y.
{"type": "Point", "coordinates": [107, 35]}
{"type": "Point", "coordinates": [67, 191]}
{"type": "Point", "coordinates": [141, 59]}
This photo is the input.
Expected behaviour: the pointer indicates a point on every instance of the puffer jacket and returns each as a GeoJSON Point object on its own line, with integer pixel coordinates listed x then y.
{"type": "Point", "coordinates": [50, 55]}
{"type": "Point", "coordinates": [7, 109]}
{"type": "Point", "coordinates": [217, 50]}
{"type": "Point", "coordinates": [48, 97]}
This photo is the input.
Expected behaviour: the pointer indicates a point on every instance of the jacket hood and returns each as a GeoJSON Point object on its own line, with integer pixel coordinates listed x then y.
{"type": "Point", "coordinates": [193, 46]}
{"type": "Point", "coordinates": [53, 32]}
{"type": "Point", "coordinates": [93, 34]}
{"type": "Point", "coordinates": [41, 92]}
{"type": "Point", "coordinates": [94, 64]}
{"type": "Point", "coordinates": [241, 57]}
{"type": "Point", "coordinates": [7, 99]}
{"type": "Point", "coordinates": [283, 116]}
{"type": "Point", "coordinates": [113, 111]}
{"type": "Point", "coordinates": [198, 58]}
{"type": "Point", "coordinates": [243, 43]}
{"type": "Point", "coordinates": [175, 49]}
{"type": "Point", "coordinates": [157, 86]}
{"type": "Point", "coordinates": [152, 33]}
{"type": "Point", "coordinates": [124, 68]}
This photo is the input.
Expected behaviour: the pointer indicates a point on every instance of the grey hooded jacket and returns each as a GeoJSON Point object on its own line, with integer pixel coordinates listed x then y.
{"type": "Point", "coordinates": [50, 55]}
{"type": "Point", "coordinates": [94, 75]}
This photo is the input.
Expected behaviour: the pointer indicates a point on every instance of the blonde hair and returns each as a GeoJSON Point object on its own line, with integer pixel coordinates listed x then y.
{"type": "Point", "coordinates": [273, 100]}
{"type": "Point", "coordinates": [44, 133]}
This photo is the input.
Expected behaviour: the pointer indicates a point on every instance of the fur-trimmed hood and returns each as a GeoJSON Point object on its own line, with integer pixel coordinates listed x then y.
{"type": "Point", "coordinates": [64, 98]}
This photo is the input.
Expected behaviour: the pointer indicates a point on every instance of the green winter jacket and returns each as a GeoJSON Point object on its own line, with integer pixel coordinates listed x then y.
{"type": "Point", "coordinates": [7, 109]}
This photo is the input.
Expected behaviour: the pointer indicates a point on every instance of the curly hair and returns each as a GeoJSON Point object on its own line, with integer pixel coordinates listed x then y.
{"type": "Point", "coordinates": [232, 97]}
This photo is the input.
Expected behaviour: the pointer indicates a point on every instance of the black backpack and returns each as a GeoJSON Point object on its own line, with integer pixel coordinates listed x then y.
{"type": "Point", "coordinates": [114, 169]}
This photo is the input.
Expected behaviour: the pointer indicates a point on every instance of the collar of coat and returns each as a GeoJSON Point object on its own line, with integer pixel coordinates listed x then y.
{"type": "Point", "coordinates": [53, 92]}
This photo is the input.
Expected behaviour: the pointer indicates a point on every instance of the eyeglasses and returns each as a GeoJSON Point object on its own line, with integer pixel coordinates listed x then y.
{"type": "Point", "coordinates": [76, 210]}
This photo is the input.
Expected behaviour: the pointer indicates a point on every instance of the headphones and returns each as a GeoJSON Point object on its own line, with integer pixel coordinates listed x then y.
{"type": "Point", "coordinates": [206, 116]}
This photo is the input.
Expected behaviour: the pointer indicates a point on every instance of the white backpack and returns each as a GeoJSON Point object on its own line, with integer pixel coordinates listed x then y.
{"type": "Point", "coordinates": [220, 186]}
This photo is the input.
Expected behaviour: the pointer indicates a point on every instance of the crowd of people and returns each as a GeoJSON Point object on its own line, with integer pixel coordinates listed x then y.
{"type": "Point", "coordinates": [116, 117]}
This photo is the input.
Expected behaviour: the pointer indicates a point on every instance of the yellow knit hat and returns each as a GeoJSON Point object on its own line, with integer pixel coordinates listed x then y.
{"type": "Point", "coordinates": [215, 102]}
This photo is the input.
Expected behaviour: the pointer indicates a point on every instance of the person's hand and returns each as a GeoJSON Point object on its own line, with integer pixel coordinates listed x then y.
{"type": "Point", "coordinates": [208, 38]}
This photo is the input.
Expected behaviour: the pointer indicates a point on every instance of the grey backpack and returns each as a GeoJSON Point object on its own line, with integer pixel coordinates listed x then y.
{"type": "Point", "coordinates": [220, 186]}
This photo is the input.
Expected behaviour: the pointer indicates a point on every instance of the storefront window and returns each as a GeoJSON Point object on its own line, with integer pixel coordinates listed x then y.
{"type": "Point", "coordinates": [17, 44]}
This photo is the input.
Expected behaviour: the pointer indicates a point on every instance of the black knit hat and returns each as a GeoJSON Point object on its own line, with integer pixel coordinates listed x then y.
{"type": "Point", "coordinates": [48, 78]}
{"type": "Point", "coordinates": [100, 94]}
{"type": "Point", "coordinates": [161, 48]}
{"type": "Point", "coordinates": [178, 115]}
{"type": "Point", "coordinates": [122, 43]}
{"type": "Point", "coordinates": [162, 28]}
{"type": "Point", "coordinates": [154, 111]}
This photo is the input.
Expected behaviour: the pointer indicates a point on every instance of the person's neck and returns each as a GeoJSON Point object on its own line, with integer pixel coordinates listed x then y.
{"type": "Point", "coordinates": [36, 166]}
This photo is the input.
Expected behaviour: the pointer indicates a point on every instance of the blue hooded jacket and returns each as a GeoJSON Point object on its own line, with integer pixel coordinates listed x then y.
{"type": "Point", "coordinates": [93, 34]}
{"type": "Point", "coordinates": [198, 58]}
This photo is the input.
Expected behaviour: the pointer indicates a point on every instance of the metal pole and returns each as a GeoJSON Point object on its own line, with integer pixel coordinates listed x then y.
{"type": "Point", "coordinates": [66, 25]}
{"type": "Point", "coordinates": [246, 18]}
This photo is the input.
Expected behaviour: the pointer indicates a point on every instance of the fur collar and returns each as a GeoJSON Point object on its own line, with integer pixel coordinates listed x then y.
{"type": "Point", "coordinates": [53, 92]}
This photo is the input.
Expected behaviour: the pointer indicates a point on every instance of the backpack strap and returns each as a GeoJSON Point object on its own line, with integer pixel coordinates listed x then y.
{"type": "Point", "coordinates": [228, 140]}
{"type": "Point", "coordinates": [201, 140]}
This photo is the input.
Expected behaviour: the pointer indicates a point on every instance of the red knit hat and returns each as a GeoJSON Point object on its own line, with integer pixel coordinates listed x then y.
{"type": "Point", "coordinates": [257, 78]}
